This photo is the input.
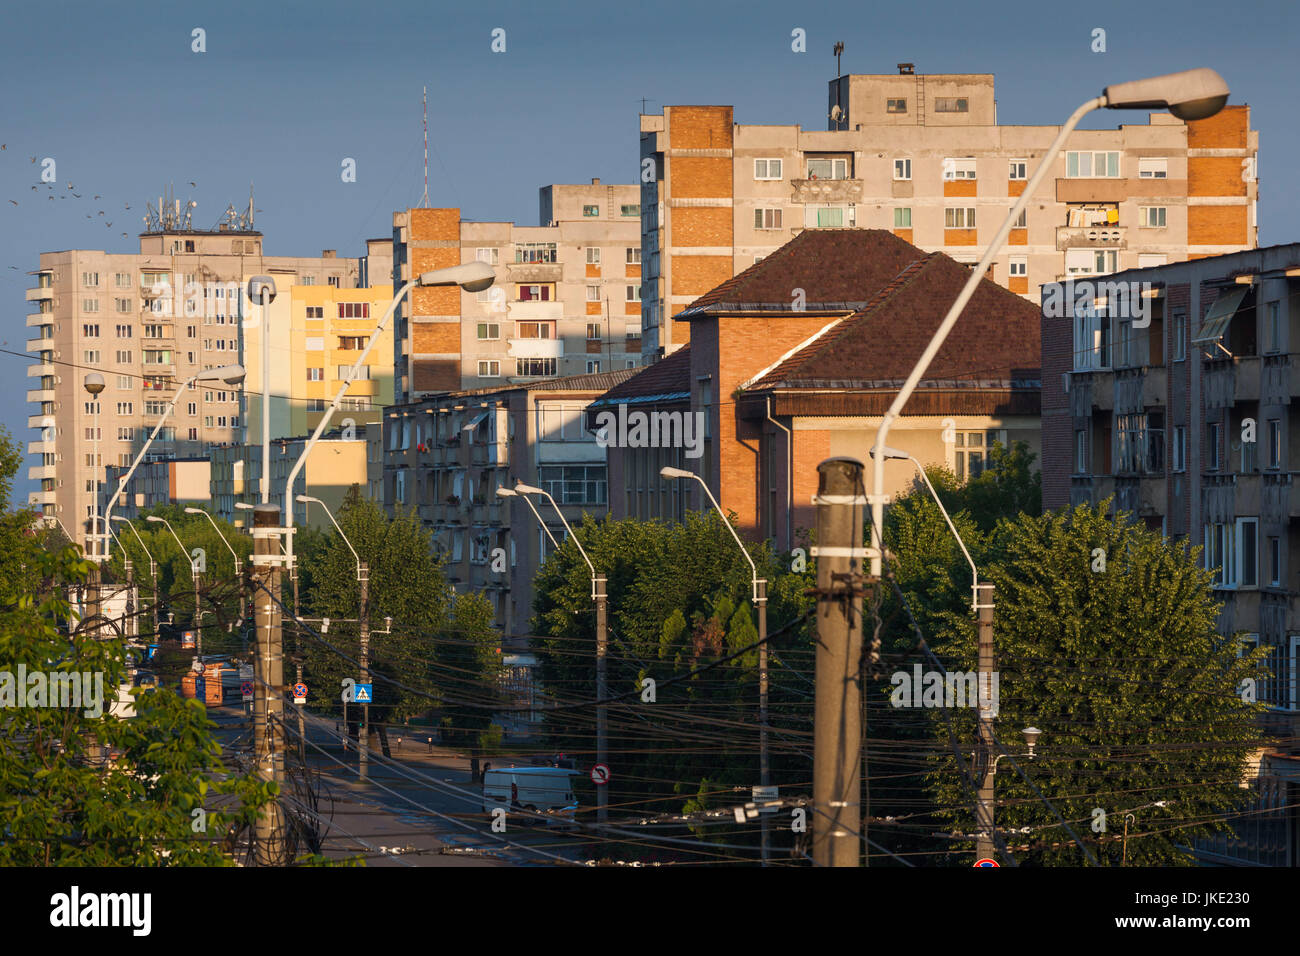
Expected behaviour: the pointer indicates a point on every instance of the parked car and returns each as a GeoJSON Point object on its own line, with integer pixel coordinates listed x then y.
{"type": "Point", "coordinates": [541, 789]}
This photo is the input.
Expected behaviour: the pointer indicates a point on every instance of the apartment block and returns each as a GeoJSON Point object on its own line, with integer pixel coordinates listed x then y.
{"type": "Point", "coordinates": [1180, 412]}
{"type": "Point", "coordinates": [446, 456]}
{"type": "Point", "coordinates": [769, 387]}
{"type": "Point", "coordinates": [337, 462]}
{"type": "Point", "coordinates": [146, 321]}
{"type": "Point", "coordinates": [173, 482]}
{"type": "Point", "coordinates": [317, 333]}
{"type": "Point", "coordinates": [923, 156]}
{"type": "Point", "coordinates": [567, 297]}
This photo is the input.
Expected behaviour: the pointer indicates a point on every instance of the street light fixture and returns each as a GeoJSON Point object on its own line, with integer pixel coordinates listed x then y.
{"type": "Point", "coordinates": [194, 574]}
{"type": "Point", "coordinates": [153, 566]}
{"type": "Point", "coordinates": [505, 492]}
{"type": "Point", "coordinates": [760, 603]}
{"type": "Point", "coordinates": [1189, 95]}
{"type": "Point", "coordinates": [308, 499]}
{"type": "Point", "coordinates": [470, 276]}
{"type": "Point", "coordinates": [94, 384]}
{"type": "Point", "coordinates": [233, 555]}
{"type": "Point", "coordinates": [230, 374]}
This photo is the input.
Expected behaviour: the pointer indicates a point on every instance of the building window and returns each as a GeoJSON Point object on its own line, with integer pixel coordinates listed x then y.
{"type": "Point", "coordinates": [534, 293]}
{"type": "Point", "coordinates": [1178, 336]}
{"type": "Point", "coordinates": [591, 211]}
{"type": "Point", "coordinates": [354, 310]}
{"type": "Point", "coordinates": [633, 255]}
{"type": "Point", "coordinates": [531, 367]}
{"type": "Point", "coordinates": [90, 280]}
{"type": "Point", "coordinates": [1140, 444]}
{"type": "Point", "coordinates": [333, 281]}
{"type": "Point", "coordinates": [767, 219]}
{"type": "Point", "coordinates": [903, 218]}
{"type": "Point", "coordinates": [1275, 443]}
{"type": "Point", "coordinates": [951, 104]}
{"type": "Point", "coordinates": [574, 484]}
{"type": "Point", "coordinates": [593, 293]}
{"type": "Point", "coordinates": [315, 311]}
{"type": "Point", "coordinates": [534, 252]}
{"type": "Point", "coordinates": [1018, 266]}
{"type": "Point", "coordinates": [353, 343]}
{"type": "Point", "coordinates": [593, 366]}
{"type": "Point", "coordinates": [122, 305]}
{"type": "Point", "coordinates": [1152, 217]}
{"type": "Point", "coordinates": [90, 357]}
{"type": "Point", "coordinates": [896, 106]}
{"type": "Point", "coordinates": [830, 217]}
{"type": "Point", "coordinates": [1212, 446]}
{"type": "Point", "coordinates": [630, 209]}
{"type": "Point", "coordinates": [536, 330]}
{"type": "Point", "coordinates": [1272, 327]}
{"type": "Point", "coordinates": [1179, 449]}
{"type": "Point", "coordinates": [954, 169]}
{"type": "Point", "coordinates": [489, 254]}
{"type": "Point", "coordinates": [1247, 552]}
{"type": "Point", "coordinates": [1221, 554]}
{"type": "Point", "coordinates": [489, 368]}
{"type": "Point", "coordinates": [1152, 167]}
{"type": "Point", "coordinates": [959, 217]}
{"type": "Point", "coordinates": [828, 169]}
{"type": "Point", "coordinates": [1275, 562]}
{"type": "Point", "coordinates": [489, 331]}
{"type": "Point", "coordinates": [902, 169]}
{"type": "Point", "coordinates": [767, 169]}
{"type": "Point", "coordinates": [1018, 169]}
{"type": "Point", "coordinates": [634, 293]}
{"type": "Point", "coordinates": [1092, 165]}
{"type": "Point", "coordinates": [972, 449]}
{"type": "Point", "coordinates": [315, 375]}
{"type": "Point", "coordinates": [122, 280]}
{"type": "Point", "coordinates": [1090, 261]}
{"type": "Point", "coordinates": [593, 332]}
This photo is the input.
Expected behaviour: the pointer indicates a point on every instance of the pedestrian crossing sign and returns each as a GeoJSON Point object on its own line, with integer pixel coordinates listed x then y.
{"type": "Point", "coordinates": [363, 694]}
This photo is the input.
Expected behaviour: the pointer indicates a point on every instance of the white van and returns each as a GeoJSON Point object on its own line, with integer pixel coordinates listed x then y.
{"type": "Point", "coordinates": [529, 788]}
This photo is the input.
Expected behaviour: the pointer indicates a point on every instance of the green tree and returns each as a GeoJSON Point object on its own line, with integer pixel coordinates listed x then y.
{"type": "Point", "coordinates": [467, 666]}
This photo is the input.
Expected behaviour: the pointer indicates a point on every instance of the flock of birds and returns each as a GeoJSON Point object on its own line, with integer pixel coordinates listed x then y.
{"type": "Point", "coordinates": [70, 191]}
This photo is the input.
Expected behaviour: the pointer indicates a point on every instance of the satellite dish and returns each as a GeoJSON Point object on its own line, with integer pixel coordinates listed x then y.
{"type": "Point", "coordinates": [837, 114]}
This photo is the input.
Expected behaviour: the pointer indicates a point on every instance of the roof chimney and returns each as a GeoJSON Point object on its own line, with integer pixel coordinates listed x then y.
{"type": "Point", "coordinates": [595, 182]}
{"type": "Point", "coordinates": [327, 253]}
{"type": "Point", "coordinates": [906, 69]}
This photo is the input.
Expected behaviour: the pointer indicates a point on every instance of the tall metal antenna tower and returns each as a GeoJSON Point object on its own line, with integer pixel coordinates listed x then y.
{"type": "Point", "coordinates": [424, 104]}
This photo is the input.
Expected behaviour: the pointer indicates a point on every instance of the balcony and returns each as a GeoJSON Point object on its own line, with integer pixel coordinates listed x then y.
{"type": "Point", "coordinates": [1089, 489]}
{"type": "Point", "coordinates": [37, 472]}
{"type": "Point", "coordinates": [40, 318]}
{"type": "Point", "coordinates": [536, 348]}
{"type": "Point", "coordinates": [531, 272]}
{"type": "Point", "coordinates": [826, 191]}
{"type": "Point", "coordinates": [36, 295]}
{"type": "Point", "coordinates": [1279, 496]}
{"type": "Point", "coordinates": [1091, 237]}
{"type": "Point", "coordinates": [1155, 387]}
{"type": "Point", "coordinates": [40, 395]}
{"type": "Point", "coordinates": [39, 421]}
{"type": "Point", "coordinates": [41, 498]}
{"type": "Point", "coordinates": [40, 447]}
{"type": "Point", "coordinates": [40, 369]}
{"type": "Point", "coordinates": [1228, 381]}
{"type": "Point", "coordinates": [1275, 380]}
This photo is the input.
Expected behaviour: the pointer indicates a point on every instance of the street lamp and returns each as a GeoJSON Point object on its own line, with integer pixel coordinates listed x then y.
{"type": "Point", "coordinates": [233, 555]}
{"type": "Point", "coordinates": [194, 574]}
{"type": "Point", "coordinates": [1189, 95]}
{"type": "Point", "coordinates": [760, 602]}
{"type": "Point", "coordinates": [505, 492]}
{"type": "Point", "coordinates": [363, 624]}
{"type": "Point", "coordinates": [261, 290]}
{"type": "Point", "coordinates": [230, 374]}
{"type": "Point", "coordinates": [470, 276]}
{"type": "Point", "coordinates": [94, 384]}
{"type": "Point", "coordinates": [602, 642]}
{"type": "Point", "coordinates": [897, 455]}
{"type": "Point", "coordinates": [153, 567]}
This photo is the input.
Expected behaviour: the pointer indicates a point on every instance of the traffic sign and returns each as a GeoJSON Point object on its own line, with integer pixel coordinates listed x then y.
{"type": "Point", "coordinates": [246, 689]}
{"type": "Point", "coordinates": [187, 638]}
{"type": "Point", "coordinates": [300, 693]}
{"type": "Point", "coordinates": [363, 693]}
{"type": "Point", "coordinates": [987, 862]}
{"type": "Point", "coordinates": [600, 774]}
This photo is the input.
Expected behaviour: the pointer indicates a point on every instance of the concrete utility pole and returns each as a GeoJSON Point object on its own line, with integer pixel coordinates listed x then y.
{"type": "Point", "coordinates": [764, 767]}
{"type": "Point", "coordinates": [270, 845]}
{"type": "Point", "coordinates": [602, 644]}
{"type": "Point", "coordinates": [364, 744]}
{"type": "Point", "coordinates": [837, 729]}
{"type": "Point", "coordinates": [984, 824]}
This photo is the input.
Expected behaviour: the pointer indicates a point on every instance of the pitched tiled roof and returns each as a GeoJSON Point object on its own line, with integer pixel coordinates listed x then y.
{"type": "Point", "coordinates": [995, 344]}
{"type": "Point", "coordinates": [592, 382]}
{"type": "Point", "coordinates": [667, 380]}
{"type": "Point", "coordinates": [837, 269]}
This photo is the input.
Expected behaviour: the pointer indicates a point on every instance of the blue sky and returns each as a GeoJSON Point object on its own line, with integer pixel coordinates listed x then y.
{"type": "Point", "coordinates": [286, 90]}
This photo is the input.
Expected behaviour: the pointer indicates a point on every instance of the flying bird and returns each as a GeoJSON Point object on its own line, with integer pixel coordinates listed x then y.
{"type": "Point", "coordinates": [101, 212]}
{"type": "Point", "coordinates": [76, 196]}
{"type": "Point", "coordinates": [15, 202]}
{"type": "Point", "coordinates": [96, 197]}
{"type": "Point", "coordinates": [193, 184]}
{"type": "Point", "coordinates": [33, 159]}
{"type": "Point", "coordinates": [33, 189]}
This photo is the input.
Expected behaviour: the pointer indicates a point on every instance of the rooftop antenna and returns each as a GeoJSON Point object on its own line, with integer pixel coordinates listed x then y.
{"type": "Point", "coordinates": [837, 114]}
{"type": "Point", "coordinates": [424, 105]}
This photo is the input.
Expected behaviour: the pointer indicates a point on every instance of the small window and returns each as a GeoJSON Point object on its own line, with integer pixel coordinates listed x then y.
{"type": "Point", "coordinates": [767, 219]}
{"type": "Point", "coordinates": [767, 169]}
{"type": "Point", "coordinates": [954, 169]}
{"type": "Point", "coordinates": [1153, 217]}
{"type": "Point", "coordinates": [593, 293]}
{"type": "Point", "coordinates": [593, 331]}
{"type": "Point", "coordinates": [489, 368]}
{"type": "Point", "coordinates": [1153, 168]}
{"type": "Point", "coordinates": [489, 254]}
{"type": "Point", "coordinates": [960, 217]}
{"type": "Point", "coordinates": [630, 209]}
{"type": "Point", "coordinates": [593, 366]}
{"type": "Point", "coordinates": [903, 218]}
{"type": "Point", "coordinates": [488, 331]}
{"type": "Point", "coordinates": [1019, 169]}
{"type": "Point", "coordinates": [1022, 221]}
{"type": "Point", "coordinates": [593, 255]}
{"type": "Point", "coordinates": [902, 169]}
{"type": "Point", "coordinates": [1018, 266]}
{"type": "Point", "coordinates": [951, 104]}
{"type": "Point", "coordinates": [896, 106]}
{"type": "Point", "coordinates": [634, 293]}
{"type": "Point", "coordinates": [591, 211]}
{"type": "Point", "coordinates": [1092, 165]}
{"type": "Point", "coordinates": [633, 255]}
{"type": "Point", "coordinates": [828, 169]}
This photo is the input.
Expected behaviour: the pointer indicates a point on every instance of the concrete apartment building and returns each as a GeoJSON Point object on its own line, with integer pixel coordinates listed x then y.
{"type": "Point", "coordinates": [128, 317]}
{"type": "Point", "coordinates": [446, 456]}
{"type": "Point", "coordinates": [567, 297]}
{"type": "Point", "coordinates": [778, 386]}
{"type": "Point", "coordinates": [317, 333]}
{"type": "Point", "coordinates": [337, 462]}
{"type": "Point", "coordinates": [1183, 416]}
{"type": "Point", "coordinates": [923, 156]}
{"type": "Point", "coordinates": [185, 481]}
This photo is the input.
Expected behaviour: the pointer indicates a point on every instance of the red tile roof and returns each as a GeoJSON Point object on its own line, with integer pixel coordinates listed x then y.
{"type": "Point", "coordinates": [667, 379]}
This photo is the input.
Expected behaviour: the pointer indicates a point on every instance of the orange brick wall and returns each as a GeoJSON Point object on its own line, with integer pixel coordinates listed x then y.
{"type": "Point", "coordinates": [701, 226]}
{"type": "Point", "coordinates": [959, 237]}
{"type": "Point", "coordinates": [431, 375]}
{"type": "Point", "coordinates": [1018, 237]}
{"type": "Point", "coordinates": [1225, 130]}
{"type": "Point", "coordinates": [435, 300]}
{"type": "Point", "coordinates": [1215, 176]}
{"type": "Point", "coordinates": [700, 127]}
{"type": "Point", "coordinates": [696, 275]}
{"type": "Point", "coordinates": [1217, 225]}
{"type": "Point", "coordinates": [959, 187]}
{"type": "Point", "coordinates": [811, 448]}
{"type": "Point", "coordinates": [439, 337]}
{"type": "Point", "coordinates": [1016, 186]}
{"type": "Point", "coordinates": [700, 177]}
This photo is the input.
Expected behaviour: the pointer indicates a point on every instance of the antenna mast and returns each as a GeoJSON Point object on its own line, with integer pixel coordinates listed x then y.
{"type": "Point", "coordinates": [424, 103]}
